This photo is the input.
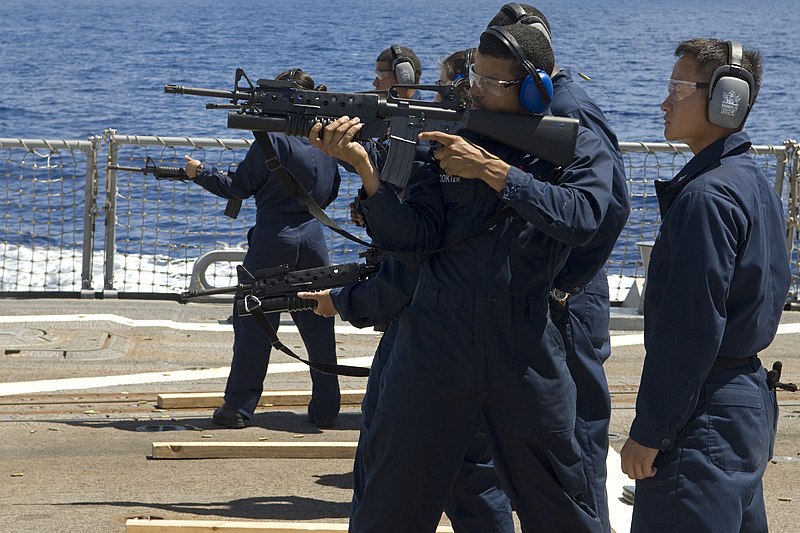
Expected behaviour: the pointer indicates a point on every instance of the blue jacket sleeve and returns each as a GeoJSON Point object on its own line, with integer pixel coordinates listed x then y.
{"type": "Point", "coordinates": [378, 299]}
{"type": "Point", "coordinates": [571, 209]}
{"type": "Point", "coordinates": [414, 224]}
{"type": "Point", "coordinates": [247, 179]}
{"type": "Point", "coordinates": [690, 273]}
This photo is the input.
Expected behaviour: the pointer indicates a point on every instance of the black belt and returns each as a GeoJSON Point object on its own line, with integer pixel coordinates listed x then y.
{"type": "Point", "coordinates": [726, 363]}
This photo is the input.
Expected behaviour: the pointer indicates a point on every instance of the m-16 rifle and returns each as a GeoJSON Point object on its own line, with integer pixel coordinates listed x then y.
{"type": "Point", "coordinates": [275, 289]}
{"type": "Point", "coordinates": [280, 106]}
{"type": "Point", "coordinates": [163, 172]}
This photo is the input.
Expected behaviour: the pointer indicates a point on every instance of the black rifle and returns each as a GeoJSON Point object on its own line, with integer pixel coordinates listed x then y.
{"type": "Point", "coordinates": [162, 172]}
{"type": "Point", "coordinates": [275, 289]}
{"type": "Point", "coordinates": [279, 106]}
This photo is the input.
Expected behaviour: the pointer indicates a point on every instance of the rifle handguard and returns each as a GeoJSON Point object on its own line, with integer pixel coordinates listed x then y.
{"type": "Point", "coordinates": [290, 303]}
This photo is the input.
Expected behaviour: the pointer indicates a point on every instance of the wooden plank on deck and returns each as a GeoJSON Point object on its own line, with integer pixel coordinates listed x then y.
{"type": "Point", "coordinates": [207, 526]}
{"type": "Point", "coordinates": [203, 400]}
{"type": "Point", "coordinates": [254, 450]}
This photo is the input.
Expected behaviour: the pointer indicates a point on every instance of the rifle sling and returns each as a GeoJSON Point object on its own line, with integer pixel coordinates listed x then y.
{"type": "Point", "coordinates": [299, 193]}
{"type": "Point", "coordinates": [329, 368]}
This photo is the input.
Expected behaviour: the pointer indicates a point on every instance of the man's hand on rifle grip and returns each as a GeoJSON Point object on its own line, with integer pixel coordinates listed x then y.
{"type": "Point", "coordinates": [324, 302]}
{"type": "Point", "coordinates": [459, 157]}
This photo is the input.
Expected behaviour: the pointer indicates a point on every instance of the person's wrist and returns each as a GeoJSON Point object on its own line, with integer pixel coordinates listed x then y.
{"type": "Point", "coordinates": [496, 173]}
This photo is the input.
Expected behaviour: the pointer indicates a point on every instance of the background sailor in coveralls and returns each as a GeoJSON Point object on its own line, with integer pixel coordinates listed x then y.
{"type": "Point", "coordinates": [284, 234]}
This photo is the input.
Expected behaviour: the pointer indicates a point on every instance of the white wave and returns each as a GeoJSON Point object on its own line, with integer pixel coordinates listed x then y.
{"type": "Point", "coordinates": [24, 269]}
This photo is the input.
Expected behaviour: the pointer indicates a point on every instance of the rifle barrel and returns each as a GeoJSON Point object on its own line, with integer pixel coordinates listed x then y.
{"type": "Point", "coordinates": [211, 93]}
{"type": "Point", "coordinates": [141, 170]}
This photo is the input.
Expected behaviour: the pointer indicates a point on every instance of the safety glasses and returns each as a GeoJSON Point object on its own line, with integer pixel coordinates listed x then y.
{"type": "Point", "coordinates": [382, 74]}
{"type": "Point", "coordinates": [491, 85]}
{"type": "Point", "coordinates": [679, 89]}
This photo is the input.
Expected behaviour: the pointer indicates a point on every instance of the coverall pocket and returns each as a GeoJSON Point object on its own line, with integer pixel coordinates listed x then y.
{"type": "Point", "coordinates": [547, 386]}
{"type": "Point", "coordinates": [737, 427]}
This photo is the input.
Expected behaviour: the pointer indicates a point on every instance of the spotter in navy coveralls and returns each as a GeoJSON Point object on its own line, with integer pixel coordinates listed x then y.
{"type": "Point", "coordinates": [284, 233]}
{"type": "Point", "coordinates": [476, 345]}
{"type": "Point", "coordinates": [716, 286]}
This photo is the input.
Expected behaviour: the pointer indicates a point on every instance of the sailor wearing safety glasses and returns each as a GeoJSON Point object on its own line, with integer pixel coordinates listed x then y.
{"type": "Point", "coordinates": [716, 286]}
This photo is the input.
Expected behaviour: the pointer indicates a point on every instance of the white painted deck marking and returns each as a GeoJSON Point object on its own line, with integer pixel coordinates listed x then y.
{"type": "Point", "coordinates": [51, 385]}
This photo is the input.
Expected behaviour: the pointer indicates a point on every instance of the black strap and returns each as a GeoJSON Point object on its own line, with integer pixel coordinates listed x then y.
{"type": "Point", "coordinates": [329, 368]}
{"type": "Point", "coordinates": [727, 363]}
{"type": "Point", "coordinates": [297, 191]}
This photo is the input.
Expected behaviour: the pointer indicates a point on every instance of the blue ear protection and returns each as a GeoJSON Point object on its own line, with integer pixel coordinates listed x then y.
{"type": "Point", "coordinates": [536, 90]}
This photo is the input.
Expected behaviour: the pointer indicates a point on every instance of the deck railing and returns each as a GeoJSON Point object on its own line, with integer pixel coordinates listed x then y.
{"type": "Point", "coordinates": [54, 192]}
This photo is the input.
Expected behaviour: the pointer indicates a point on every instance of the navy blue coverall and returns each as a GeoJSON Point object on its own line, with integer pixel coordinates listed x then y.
{"type": "Point", "coordinates": [583, 324]}
{"type": "Point", "coordinates": [477, 347]}
{"type": "Point", "coordinates": [584, 320]}
{"type": "Point", "coordinates": [477, 502]}
{"type": "Point", "coordinates": [716, 286]}
{"type": "Point", "coordinates": [377, 301]}
{"type": "Point", "coordinates": [284, 233]}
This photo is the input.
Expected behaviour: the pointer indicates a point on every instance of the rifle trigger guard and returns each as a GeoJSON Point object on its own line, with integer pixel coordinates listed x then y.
{"type": "Point", "coordinates": [250, 298]}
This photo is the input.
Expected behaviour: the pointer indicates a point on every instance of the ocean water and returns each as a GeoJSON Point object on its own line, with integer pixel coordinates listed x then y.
{"type": "Point", "coordinates": [70, 69]}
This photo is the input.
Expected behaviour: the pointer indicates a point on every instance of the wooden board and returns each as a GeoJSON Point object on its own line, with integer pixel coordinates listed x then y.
{"type": "Point", "coordinates": [254, 450]}
{"type": "Point", "coordinates": [208, 526]}
{"type": "Point", "coordinates": [203, 400]}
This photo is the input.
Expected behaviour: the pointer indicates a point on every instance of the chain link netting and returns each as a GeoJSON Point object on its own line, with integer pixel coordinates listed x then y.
{"type": "Point", "coordinates": [155, 230]}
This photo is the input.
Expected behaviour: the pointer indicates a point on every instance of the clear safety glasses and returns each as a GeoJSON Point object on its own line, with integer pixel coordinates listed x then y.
{"type": "Point", "coordinates": [679, 89]}
{"type": "Point", "coordinates": [382, 74]}
{"type": "Point", "coordinates": [491, 85]}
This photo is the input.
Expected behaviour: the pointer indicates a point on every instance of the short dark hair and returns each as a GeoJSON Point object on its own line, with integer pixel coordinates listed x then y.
{"type": "Point", "coordinates": [301, 78]}
{"type": "Point", "coordinates": [388, 57]}
{"type": "Point", "coordinates": [506, 16]}
{"type": "Point", "coordinates": [533, 43]}
{"type": "Point", "coordinates": [711, 54]}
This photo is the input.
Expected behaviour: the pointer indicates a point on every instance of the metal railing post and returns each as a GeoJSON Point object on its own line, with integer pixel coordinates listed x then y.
{"type": "Point", "coordinates": [110, 212]}
{"type": "Point", "coordinates": [90, 217]}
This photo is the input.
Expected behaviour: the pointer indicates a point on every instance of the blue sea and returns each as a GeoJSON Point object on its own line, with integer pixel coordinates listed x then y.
{"type": "Point", "coordinates": [70, 69]}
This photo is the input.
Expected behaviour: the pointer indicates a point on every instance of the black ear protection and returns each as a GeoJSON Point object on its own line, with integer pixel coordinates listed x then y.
{"type": "Point", "coordinates": [536, 90]}
{"type": "Point", "coordinates": [731, 91]}
{"type": "Point", "coordinates": [519, 14]}
{"type": "Point", "coordinates": [402, 66]}
{"type": "Point", "coordinates": [290, 75]}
